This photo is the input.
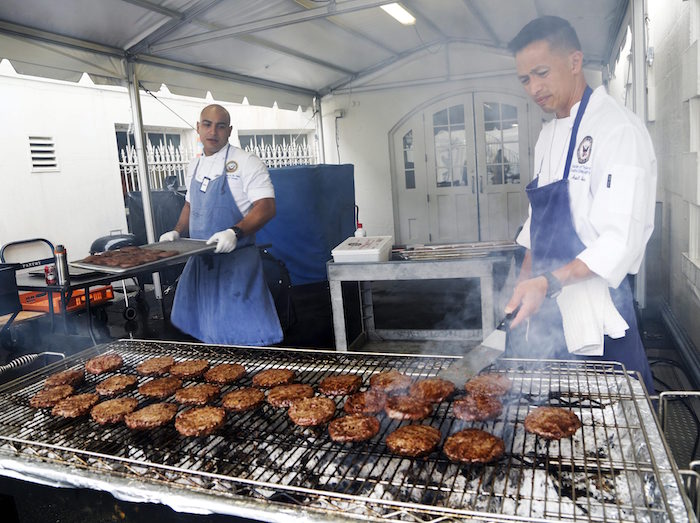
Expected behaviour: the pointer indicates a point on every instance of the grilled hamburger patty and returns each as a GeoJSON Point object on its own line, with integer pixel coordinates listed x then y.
{"type": "Point", "coordinates": [200, 421]}
{"type": "Point", "coordinates": [113, 411]}
{"type": "Point", "coordinates": [199, 394]}
{"type": "Point", "coordinates": [434, 390]}
{"type": "Point", "coordinates": [160, 388]}
{"type": "Point", "coordinates": [355, 427]}
{"type": "Point", "coordinates": [66, 377]}
{"type": "Point", "coordinates": [155, 366]}
{"type": "Point", "coordinates": [390, 381]}
{"type": "Point", "coordinates": [489, 384]}
{"type": "Point", "coordinates": [340, 385]}
{"type": "Point", "coordinates": [104, 363]}
{"type": "Point", "coordinates": [552, 422]}
{"type": "Point", "coordinates": [473, 446]}
{"type": "Point", "coordinates": [116, 384]}
{"type": "Point", "coordinates": [75, 406]}
{"type": "Point", "coordinates": [49, 397]}
{"type": "Point", "coordinates": [407, 407]}
{"type": "Point", "coordinates": [189, 368]}
{"type": "Point", "coordinates": [413, 440]}
{"type": "Point", "coordinates": [309, 412]}
{"type": "Point", "coordinates": [273, 377]}
{"type": "Point", "coordinates": [285, 395]}
{"type": "Point", "coordinates": [242, 399]}
{"type": "Point", "coordinates": [150, 417]}
{"type": "Point", "coordinates": [477, 407]}
{"type": "Point", "coordinates": [371, 401]}
{"type": "Point", "coordinates": [225, 373]}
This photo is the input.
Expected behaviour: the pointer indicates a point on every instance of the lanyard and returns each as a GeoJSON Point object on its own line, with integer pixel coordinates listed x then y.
{"type": "Point", "coordinates": [574, 132]}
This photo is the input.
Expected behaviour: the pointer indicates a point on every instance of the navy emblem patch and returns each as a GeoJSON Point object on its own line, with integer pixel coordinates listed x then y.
{"type": "Point", "coordinates": [231, 166]}
{"type": "Point", "coordinates": [583, 153]}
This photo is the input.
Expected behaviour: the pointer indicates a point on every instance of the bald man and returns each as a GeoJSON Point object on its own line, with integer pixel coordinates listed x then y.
{"type": "Point", "coordinates": [223, 298]}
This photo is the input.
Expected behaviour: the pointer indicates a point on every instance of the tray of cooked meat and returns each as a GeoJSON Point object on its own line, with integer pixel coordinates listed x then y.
{"type": "Point", "coordinates": [152, 256]}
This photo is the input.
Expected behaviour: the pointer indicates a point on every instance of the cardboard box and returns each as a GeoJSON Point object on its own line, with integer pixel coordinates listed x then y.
{"type": "Point", "coordinates": [39, 301]}
{"type": "Point", "coordinates": [363, 249]}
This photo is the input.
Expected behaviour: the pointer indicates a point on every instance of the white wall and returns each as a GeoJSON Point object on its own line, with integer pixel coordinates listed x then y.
{"type": "Point", "coordinates": [83, 200]}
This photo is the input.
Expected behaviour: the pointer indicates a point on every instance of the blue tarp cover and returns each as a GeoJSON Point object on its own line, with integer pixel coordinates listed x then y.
{"type": "Point", "coordinates": [315, 212]}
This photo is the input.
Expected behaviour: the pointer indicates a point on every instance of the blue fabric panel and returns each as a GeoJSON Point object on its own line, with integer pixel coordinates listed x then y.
{"type": "Point", "coordinates": [315, 212]}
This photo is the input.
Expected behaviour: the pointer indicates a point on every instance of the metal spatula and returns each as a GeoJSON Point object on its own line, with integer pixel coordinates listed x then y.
{"type": "Point", "coordinates": [480, 356]}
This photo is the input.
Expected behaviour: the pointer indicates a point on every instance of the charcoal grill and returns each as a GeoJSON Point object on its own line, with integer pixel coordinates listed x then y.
{"type": "Point", "coordinates": [616, 468]}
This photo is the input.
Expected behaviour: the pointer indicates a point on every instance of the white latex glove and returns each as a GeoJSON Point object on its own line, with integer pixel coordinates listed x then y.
{"type": "Point", "coordinates": [170, 236]}
{"type": "Point", "coordinates": [225, 241]}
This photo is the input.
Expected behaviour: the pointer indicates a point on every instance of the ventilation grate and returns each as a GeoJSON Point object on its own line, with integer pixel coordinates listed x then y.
{"type": "Point", "coordinates": [43, 151]}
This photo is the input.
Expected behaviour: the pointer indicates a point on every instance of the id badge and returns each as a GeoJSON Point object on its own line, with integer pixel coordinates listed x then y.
{"type": "Point", "coordinates": [205, 184]}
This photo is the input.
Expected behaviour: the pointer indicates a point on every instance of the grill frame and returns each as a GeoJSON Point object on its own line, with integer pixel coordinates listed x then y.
{"type": "Point", "coordinates": [197, 490]}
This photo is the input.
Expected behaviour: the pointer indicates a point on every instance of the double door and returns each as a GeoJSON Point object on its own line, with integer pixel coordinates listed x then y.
{"type": "Point", "coordinates": [460, 170]}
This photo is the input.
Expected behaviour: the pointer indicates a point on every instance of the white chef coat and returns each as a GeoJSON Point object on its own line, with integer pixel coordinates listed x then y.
{"type": "Point", "coordinates": [612, 184]}
{"type": "Point", "coordinates": [247, 176]}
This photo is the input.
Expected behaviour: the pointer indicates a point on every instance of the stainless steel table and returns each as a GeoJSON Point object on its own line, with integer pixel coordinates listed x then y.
{"type": "Point", "coordinates": [364, 273]}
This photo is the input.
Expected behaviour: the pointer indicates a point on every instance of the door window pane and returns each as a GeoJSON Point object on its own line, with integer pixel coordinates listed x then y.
{"type": "Point", "coordinates": [450, 143]}
{"type": "Point", "coordinates": [502, 143]}
{"type": "Point", "coordinates": [408, 163]}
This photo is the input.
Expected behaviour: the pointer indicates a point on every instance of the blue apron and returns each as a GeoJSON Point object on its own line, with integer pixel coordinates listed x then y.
{"type": "Point", "coordinates": [223, 298]}
{"type": "Point", "coordinates": [554, 243]}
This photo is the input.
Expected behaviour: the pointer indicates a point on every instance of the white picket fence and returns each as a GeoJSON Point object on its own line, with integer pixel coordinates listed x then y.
{"type": "Point", "coordinates": [166, 161]}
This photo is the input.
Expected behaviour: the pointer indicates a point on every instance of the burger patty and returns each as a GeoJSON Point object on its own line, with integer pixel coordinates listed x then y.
{"type": "Point", "coordinates": [473, 446]}
{"type": "Point", "coordinates": [434, 390]}
{"type": "Point", "coordinates": [340, 385]}
{"type": "Point", "coordinates": [104, 363]}
{"type": "Point", "coordinates": [309, 412]}
{"type": "Point", "coordinates": [160, 388]}
{"type": "Point", "coordinates": [113, 411]}
{"type": "Point", "coordinates": [390, 381]}
{"type": "Point", "coordinates": [242, 399]}
{"type": "Point", "coordinates": [355, 427]}
{"type": "Point", "coordinates": [284, 395]}
{"type": "Point", "coordinates": [49, 397]}
{"type": "Point", "coordinates": [371, 401]}
{"type": "Point", "coordinates": [150, 417]}
{"type": "Point", "coordinates": [155, 366]}
{"type": "Point", "coordinates": [413, 440]}
{"type": "Point", "coordinates": [200, 421]}
{"type": "Point", "coordinates": [75, 406]}
{"type": "Point", "coordinates": [116, 384]}
{"type": "Point", "coordinates": [189, 368]}
{"type": "Point", "coordinates": [477, 407]}
{"type": "Point", "coordinates": [66, 377]}
{"type": "Point", "coordinates": [552, 422]}
{"type": "Point", "coordinates": [273, 377]}
{"type": "Point", "coordinates": [225, 373]}
{"type": "Point", "coordinates": [407, 407]}
{"type": "Point", "coordinates": [199, 394]}
{"type": "Point", "coordinates": [489, 384]}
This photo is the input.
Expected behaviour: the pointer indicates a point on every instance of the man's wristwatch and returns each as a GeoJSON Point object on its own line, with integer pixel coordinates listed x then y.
{"type": "Point", "coordinates": [553, 285]}
{"type": "Point", "coordinates": [238, 231]}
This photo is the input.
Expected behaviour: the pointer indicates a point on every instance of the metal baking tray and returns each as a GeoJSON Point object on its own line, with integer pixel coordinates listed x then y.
{"type": "Point", "coordinates": [185, 247]}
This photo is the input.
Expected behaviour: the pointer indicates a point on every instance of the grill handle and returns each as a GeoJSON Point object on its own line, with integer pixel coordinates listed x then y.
{"type": "Point", "coordinates": [26, 360]}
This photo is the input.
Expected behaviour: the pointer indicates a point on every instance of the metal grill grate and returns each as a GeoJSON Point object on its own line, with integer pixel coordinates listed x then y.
{"type": "Point", "coordinates": [616, 468]}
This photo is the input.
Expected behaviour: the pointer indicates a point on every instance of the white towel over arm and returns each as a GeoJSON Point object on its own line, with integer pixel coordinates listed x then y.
{"type": "Point", "coordinates": [588, 314]}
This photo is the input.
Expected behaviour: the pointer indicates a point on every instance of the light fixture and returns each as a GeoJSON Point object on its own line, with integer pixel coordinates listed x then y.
{"type": "Point", "coordinates": [400, 13]}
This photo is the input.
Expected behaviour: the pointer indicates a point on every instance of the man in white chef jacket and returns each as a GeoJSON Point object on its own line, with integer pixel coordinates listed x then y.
{"type": "Point", "coordinates": [223, 298]}
{"type": "Point", "coordinates": [591, 210]}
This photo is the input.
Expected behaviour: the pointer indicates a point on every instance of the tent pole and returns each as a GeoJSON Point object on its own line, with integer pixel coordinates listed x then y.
{"type": "Point", "coordinates": [639, 83]}
{"type": "Point", "coordinates": [136, 117]}
{"type": "Point", "coordinates": [318, 115]}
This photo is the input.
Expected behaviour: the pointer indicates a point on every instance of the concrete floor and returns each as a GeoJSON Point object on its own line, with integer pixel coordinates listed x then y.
{"type": "Point", "coordinates": [310, 326]}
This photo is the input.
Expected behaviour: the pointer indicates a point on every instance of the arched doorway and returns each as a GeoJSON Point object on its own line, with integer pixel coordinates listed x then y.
{"type": "Point", "coordinates": [460, 167]}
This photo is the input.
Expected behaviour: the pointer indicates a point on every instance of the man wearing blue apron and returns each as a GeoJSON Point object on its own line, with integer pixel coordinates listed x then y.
{"type": "Point", "coordinates": [591, 210]}
{"type": "Point", "coordinates": [223, 298]}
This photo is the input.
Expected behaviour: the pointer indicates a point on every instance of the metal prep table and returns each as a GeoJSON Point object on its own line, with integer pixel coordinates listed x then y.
{"type": "Point", "coordinates": [470, 261]}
